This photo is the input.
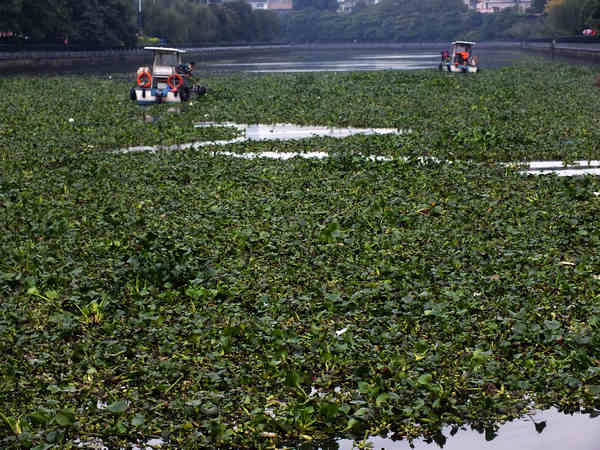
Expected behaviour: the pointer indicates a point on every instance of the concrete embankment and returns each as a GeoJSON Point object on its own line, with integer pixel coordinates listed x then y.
{"type": "Point", "coordinates": [12, 62]}
{"type": "Point", "coordinates": [576, 50]}
{"type": "Point", "coordinates": [22, 61]}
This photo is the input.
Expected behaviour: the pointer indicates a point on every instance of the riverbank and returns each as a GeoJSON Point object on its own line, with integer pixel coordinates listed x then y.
{"type": "Point", "coordinates": [574, 50]}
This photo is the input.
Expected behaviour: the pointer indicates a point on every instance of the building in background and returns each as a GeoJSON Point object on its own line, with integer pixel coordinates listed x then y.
{"type": "Point", "coordinates": [272, 5]}
{"type": "Point", "coordinates": [347, 6]}
{"type": "Point", "coordinates": [490, 6]}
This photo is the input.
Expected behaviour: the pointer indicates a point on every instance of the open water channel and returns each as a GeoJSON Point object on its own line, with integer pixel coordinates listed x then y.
{"type": "Point", "coordinates": [271, 59]}
{"type": "Point", "coordinates": [559, 431]}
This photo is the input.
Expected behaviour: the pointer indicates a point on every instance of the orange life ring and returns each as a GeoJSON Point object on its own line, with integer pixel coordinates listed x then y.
{"type": "Point", "coordinates": [140, 80]}
{"type": "Point", "coordinates": [179, 82]}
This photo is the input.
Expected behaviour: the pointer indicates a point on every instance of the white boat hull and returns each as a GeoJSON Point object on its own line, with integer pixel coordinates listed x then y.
{"type": "Point", "coordinates": [145, 96]}
{"type": "Point", "coordinates": [458, 68]}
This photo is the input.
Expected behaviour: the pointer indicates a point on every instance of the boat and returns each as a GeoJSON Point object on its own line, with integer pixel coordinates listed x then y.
{"type": "Point", "coordinates": [460, 59]}
{"type": "Point", "coordinates": [167, 81]}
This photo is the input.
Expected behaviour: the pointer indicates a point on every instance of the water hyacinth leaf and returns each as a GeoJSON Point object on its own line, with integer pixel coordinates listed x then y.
{"type": "Point", "coordinates": [352, 422]}
{"type": "Point", "coordinates": [41, 417]}
{"type": "Point", "coordinates": [121, 427]}
{"type": "Point", "coordinates": [65, 417]}
{"type": "Point", "coordinates": [138, 420]}
{"type": "Point", "coordinates": [362, 413]}
{"type": "Point", "coordinates": [118, 407]}
{"type": "Point", "coordinates": [381, 399]}
{"type": "Point", "coordinates": [42, 447]}
{"type": "Point", "coordinates": [425, 379]}
{"type": "Point", "coordinates": [594, 389]}
{"type": "Point", "coordinates": [328, 409]}
{"type": "Point", "coordinates": [292, 379]}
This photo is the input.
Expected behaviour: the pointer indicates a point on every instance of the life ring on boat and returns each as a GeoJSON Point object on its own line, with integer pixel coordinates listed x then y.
{"type": "Point", "coordinates": [144, 79]}
{"type": "Point", "coordinates": [179, 79]}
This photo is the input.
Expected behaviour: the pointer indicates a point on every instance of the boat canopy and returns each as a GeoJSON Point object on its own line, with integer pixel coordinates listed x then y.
{"type": "Point", "coordinates": [165, 49]}
{"type": "Point", "coordinates": [463, 43]}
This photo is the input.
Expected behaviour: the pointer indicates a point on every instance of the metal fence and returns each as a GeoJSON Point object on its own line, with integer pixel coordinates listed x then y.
{"type": "Point", "coordinates": [43, 54]}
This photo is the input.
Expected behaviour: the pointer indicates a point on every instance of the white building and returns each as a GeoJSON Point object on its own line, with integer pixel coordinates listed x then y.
{"type": "Point", "coordinates": [273, 5]}
{"type": "Point", "coordinates": [346, 6]}
{"type": "Point", "coordinates": [490, 6]}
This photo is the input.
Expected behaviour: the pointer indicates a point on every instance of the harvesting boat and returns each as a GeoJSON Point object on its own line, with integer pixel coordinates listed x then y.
{"type": "Point", "coordinates": [460, 59]}
{"type": "Point", "coordinates": [168, 81]}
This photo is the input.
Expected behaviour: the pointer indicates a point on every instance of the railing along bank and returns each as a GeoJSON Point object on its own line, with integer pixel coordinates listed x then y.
{"type": "Point", "coordinates": [585, 50]}
{"type": "Point", "coordinates": [69, 54]}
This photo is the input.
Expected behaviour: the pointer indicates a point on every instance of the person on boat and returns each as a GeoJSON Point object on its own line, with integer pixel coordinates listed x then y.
{"type": "Point", "coordinates": [185, 69]}
{"type": "Point", "coordinates": [462, 57]}
{"type": "Point", "coordinates": [445, 55]}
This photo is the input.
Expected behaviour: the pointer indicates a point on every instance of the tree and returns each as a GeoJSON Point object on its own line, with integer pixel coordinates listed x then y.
{"type": "Point", "coordinates": [45, 20]}
{"type": "Point", "coordinates": [11, 12]}
{"type": "Point", "coordinates": [571, 16]}
{"type": "Point", "coordinates": [195, 21]}
{"type": "Point", "coordinates": [102, 23]}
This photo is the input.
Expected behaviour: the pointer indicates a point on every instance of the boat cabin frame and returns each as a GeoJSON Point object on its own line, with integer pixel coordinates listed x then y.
{"type": "Point", "coordinates": [460, 58]}
{"type": "Point", "coordinates": [164, 61]}
{"type": "Point", "coordinates": [459, 48]}
{"type": "Point", "coordinates": [168, 80]}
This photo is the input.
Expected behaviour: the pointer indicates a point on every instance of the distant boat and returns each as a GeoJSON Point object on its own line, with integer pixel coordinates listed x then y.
{"type": "Point", "coordinates": [167, 82]}
{"type": "Point", "coordinates": [460, 58]}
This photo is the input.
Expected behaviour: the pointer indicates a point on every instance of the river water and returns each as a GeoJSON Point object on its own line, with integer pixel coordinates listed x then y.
{"type": "Point", "coordinates": [274, 59]}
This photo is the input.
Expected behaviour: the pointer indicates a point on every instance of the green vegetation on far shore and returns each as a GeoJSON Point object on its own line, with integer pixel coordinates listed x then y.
{"type": "Point", "coordinates": [218, 302]}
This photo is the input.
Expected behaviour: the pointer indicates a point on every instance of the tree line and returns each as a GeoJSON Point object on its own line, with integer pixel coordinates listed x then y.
{"type": "Point", "coordinates": [106, 23]}
{"type": "Point", "coordinates": [193, 21]}
{"type": "Point", "coordinates": [571, 16]}
{"type": "Point", "coordinates": [113, 23]}
{"type": "Point", "coordinates": [438, 20]}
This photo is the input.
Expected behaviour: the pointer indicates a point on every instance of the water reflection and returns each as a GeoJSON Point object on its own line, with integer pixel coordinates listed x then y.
{"type": "Point", "coordinates": [294, 59]}
{"type": "Point", "coordinates": [262, 132]}
{"type": "Point", "coordinates": [288, 131]}
{"type": "Point", "coordinates": [562, 169]}
{"type": "Point", "coordinates": [544, 430]}
{"type": "Point", "coordinates": [325, 61]}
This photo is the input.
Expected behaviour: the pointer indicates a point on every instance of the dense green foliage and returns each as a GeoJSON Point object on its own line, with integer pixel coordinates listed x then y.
{"type": "Point", "coordinates": [112, 23]}
{"type": "Point", "coordinates": [107, 23]}
{"type": "Point", "coordinates": [571, 16]}
{"type": "Point", "coordinates": [412, 20]}
{"type": "Point", "coordinates": [192, 21]}
{"type": "Point", "coordinates": [215, 301]}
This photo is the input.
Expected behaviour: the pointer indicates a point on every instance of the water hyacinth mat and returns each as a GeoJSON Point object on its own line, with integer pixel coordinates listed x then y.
{"type": "Point", "coordinates": [212, 301]}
